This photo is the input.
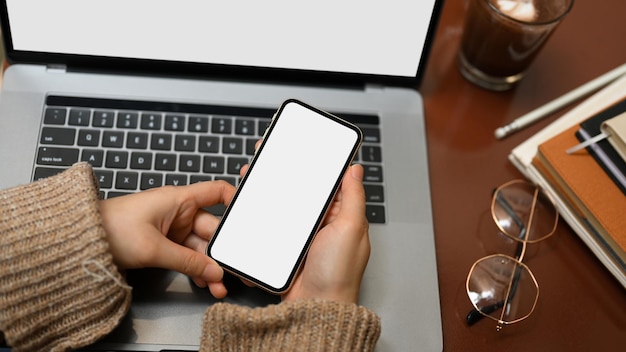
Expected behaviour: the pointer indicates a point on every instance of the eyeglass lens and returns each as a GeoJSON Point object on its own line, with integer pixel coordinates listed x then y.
{"type": "Point", "coordinates": [512, 208]}
{"type": "Point", "coordinates": [502, 288]}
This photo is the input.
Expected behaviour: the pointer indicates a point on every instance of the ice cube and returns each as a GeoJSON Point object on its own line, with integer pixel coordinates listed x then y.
{"type": "Point", "coordinates": [522, 10]}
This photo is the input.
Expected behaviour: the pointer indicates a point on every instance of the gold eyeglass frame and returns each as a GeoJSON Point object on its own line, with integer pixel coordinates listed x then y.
{"type": "Point", "coordinates": [537, 192]}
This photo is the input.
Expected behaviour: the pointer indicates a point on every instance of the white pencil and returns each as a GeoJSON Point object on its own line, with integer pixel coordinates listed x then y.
{"type": "Point", "coordinates": [560, 102]}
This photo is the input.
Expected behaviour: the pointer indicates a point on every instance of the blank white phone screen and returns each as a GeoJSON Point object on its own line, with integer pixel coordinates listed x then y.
{"type": "Point", "coordinates": [278, 207]}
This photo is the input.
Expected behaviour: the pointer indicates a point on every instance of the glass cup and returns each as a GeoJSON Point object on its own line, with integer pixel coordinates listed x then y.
{"type": "Point", "coordinates": [502, 37]}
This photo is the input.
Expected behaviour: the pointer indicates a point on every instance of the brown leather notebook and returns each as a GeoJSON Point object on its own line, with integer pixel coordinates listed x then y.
{"type": "Point", "coordinates": [587, 189]}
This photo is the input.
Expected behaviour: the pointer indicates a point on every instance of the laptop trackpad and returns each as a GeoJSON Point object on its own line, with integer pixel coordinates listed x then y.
{"type": "Point", "coordinates": [168, 307]}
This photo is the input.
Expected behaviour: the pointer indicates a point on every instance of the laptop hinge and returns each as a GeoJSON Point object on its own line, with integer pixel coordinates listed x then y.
{"type": "Point", "coordinates": [56, 68]}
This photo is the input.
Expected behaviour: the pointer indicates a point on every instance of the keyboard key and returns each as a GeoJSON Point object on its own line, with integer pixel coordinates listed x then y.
{"type": "Point", "coordinates": [116, 159]}
{"type": "Point", "coordinates": [209, 144]}
{"type": "Point", "coordinates": [95, 157]}
{"type": "Point", "coordinates": [375, 214]}
{"type": "Point", "coordinates": [114, 139]}
{"type": "Point", "coordinates": [150, 121]}
{"type": "Point", "coordinates": [371, 154]}
{"type": "Point", "coordinates": [189, 163]}
{"type": "Point", "coordinates": [58, 136]}
{"type": "Point", "coordinates": [127, 119]}
{"type": "Point", "coordinates": [151, 180]}
{"type": "Point", "coordinates": [57, 156]}
{"type": "Point", "coordinates": [79, 117]}
{"type": "Point", "coordinates": [137, 140]}
{"type": "Point", "coordinates": [371, 135]}
{"type": "Point", "coordinates": [263, 125]}
{"type": "Point", "coordinates": [105, 178]}
{"type": "Point", "coordinates": [175, 179]}
{"type": "Point", "coordinates": [198, 124]}
{"type": "Point", "coordinates": [45, 172]}
{"type": "Point", "coordinates": [103, 118]}
{"type": "Point", "coordinates": [244, 127]}
{"type": "Point", "coordinates": [235, 164]}
{"type": "Point", "coordinates": [229, 179]}
{"type": "Point", "coordinates": [113, 194]}
{"type": "Point", "coordinates": [90, 138]}
{"type": "Point", "coordinates": [141, 161]}
{"type": "Point", "coordinates": [372, 173]}
{"type": "Point", "coordinates": [217, 210]}
{"type": "Point", "coordinates": [200, 178]}
{"type": "Point", "coordinates": [214, 164]}
{"type": "Point", "coordinates": [161, 141]}
{"type": "Point", "coordinates": [126, 180]}
{"type": "Point", "coordinates": [232, 145]}
{"type": "Point", "coordinates": [374, 193]}
{"type": "Point", "coordinates": [174, 122]}
{"type": "Point", "coordinates": [55, 116]}
{"type": "Point", "coordinates": [185, 143]}
{"type": "Point", "coordinates": [222, 125]}
{"type": "Point", "coordinates": [250, 146]}
{"type": "Point", "coordinates": [165, 162]}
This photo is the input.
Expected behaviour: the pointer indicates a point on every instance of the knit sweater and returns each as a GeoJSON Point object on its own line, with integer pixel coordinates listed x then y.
{"type": "Point", "coordinates": [60, 290]}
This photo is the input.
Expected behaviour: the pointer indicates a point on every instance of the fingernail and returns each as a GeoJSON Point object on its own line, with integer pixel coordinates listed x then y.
{"type": "Point", "coordinates": [356, 172]}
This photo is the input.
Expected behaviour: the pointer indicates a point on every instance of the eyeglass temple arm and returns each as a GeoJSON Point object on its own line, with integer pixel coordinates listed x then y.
{"type": "Point", "coordinates": [474, 316]}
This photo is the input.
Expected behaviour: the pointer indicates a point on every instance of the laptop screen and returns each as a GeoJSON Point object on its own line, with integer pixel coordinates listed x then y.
{"type": "Point", "coordinates": [373, 38]}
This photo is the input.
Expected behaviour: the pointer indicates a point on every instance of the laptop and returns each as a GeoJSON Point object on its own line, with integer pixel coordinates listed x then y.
{"type": "Point", "coordinates": [155, 92]}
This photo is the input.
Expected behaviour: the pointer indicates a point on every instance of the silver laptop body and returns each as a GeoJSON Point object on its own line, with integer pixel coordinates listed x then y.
{"type": "Point", "coordinates": [400, 283]}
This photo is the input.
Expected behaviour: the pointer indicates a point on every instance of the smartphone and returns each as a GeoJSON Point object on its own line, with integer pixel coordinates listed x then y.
{"type": "Point", "coordinates": [265, 232]}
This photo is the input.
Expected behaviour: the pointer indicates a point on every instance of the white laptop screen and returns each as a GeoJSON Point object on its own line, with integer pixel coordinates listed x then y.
{"type": "Point", "coordinates": [349, 36]}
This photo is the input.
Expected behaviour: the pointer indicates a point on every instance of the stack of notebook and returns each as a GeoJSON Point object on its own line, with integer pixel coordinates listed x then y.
{"type": "Point", "coordinates": [587, 184]}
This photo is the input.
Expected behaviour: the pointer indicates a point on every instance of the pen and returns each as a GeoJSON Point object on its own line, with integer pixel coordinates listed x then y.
{"type": "Point", "coordinates": [560, 102]}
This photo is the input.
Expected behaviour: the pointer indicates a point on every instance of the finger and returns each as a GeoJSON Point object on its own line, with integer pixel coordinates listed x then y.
{"type": "Point", "coordinates": [205, 224]}
{"type": "Point", "coordinates": [205, 194]}
{"type": "Point", "coordinates": [199, 282]}
{"type": "Point", "coordinates": [243, 170]}
{"type": "Point", "coordinates": [170, 255]}
{"type": "Point", "coordinates": [196, 243]}
{"type": "Point", "coordinates": [352, 193]}
{"type": "Point", "coordinates": [218, 290]}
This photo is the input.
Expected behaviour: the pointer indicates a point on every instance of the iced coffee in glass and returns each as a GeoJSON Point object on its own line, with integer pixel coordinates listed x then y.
{"type": "Point", "coordinates": [502, 37]}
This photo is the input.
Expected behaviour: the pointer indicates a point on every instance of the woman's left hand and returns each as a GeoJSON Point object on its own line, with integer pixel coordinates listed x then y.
{"type": "Point", "coordinates": [167, 228]}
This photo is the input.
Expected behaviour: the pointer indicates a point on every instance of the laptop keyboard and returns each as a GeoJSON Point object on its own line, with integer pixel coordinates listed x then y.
{"type": "Point", "coordinates": [138, 145]}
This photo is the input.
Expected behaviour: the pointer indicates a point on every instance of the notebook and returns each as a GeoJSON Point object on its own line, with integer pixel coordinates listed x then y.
{"type": "Point", "coordinates": [156, 92]}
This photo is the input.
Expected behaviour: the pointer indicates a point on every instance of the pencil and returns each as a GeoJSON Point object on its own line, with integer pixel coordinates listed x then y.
{"type": "Point", "coordinates": [560, 102]}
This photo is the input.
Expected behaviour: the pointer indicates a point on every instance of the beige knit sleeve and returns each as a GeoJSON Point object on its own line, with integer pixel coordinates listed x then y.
{"type": "Point", "coordinates": [306, 325]}
{"type": "Point", "coordinates": [59, 288]}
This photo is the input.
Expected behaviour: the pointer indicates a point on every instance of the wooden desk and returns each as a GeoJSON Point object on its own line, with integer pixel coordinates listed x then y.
{"type": "Point", "coordinates": [581, 306]}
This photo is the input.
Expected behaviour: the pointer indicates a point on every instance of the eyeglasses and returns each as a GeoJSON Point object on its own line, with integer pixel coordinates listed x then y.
{"type": "Point", "coordinates": [499, 286]}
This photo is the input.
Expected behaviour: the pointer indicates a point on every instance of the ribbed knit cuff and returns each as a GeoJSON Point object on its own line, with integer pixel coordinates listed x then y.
{"type": "Point", "coordinates": [59, 288]}
{"type": "Point", "coordinates": [306, 325]}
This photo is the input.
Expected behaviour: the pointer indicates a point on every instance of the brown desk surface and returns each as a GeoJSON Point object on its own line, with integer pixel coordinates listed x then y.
{"type": "Point", "coordinates": [581, 306]}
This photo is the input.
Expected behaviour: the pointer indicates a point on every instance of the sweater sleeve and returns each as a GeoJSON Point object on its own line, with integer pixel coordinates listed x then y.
{"type": "Point", "coordinates": [59, 287]}
{"type": "Point", "coordinates": [306, 325]}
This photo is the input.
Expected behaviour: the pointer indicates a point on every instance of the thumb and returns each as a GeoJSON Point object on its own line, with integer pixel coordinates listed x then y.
{"type": "Point", "coordinates": [353, 193]}
{"type": "Point", "coordinates": [189, 262]}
